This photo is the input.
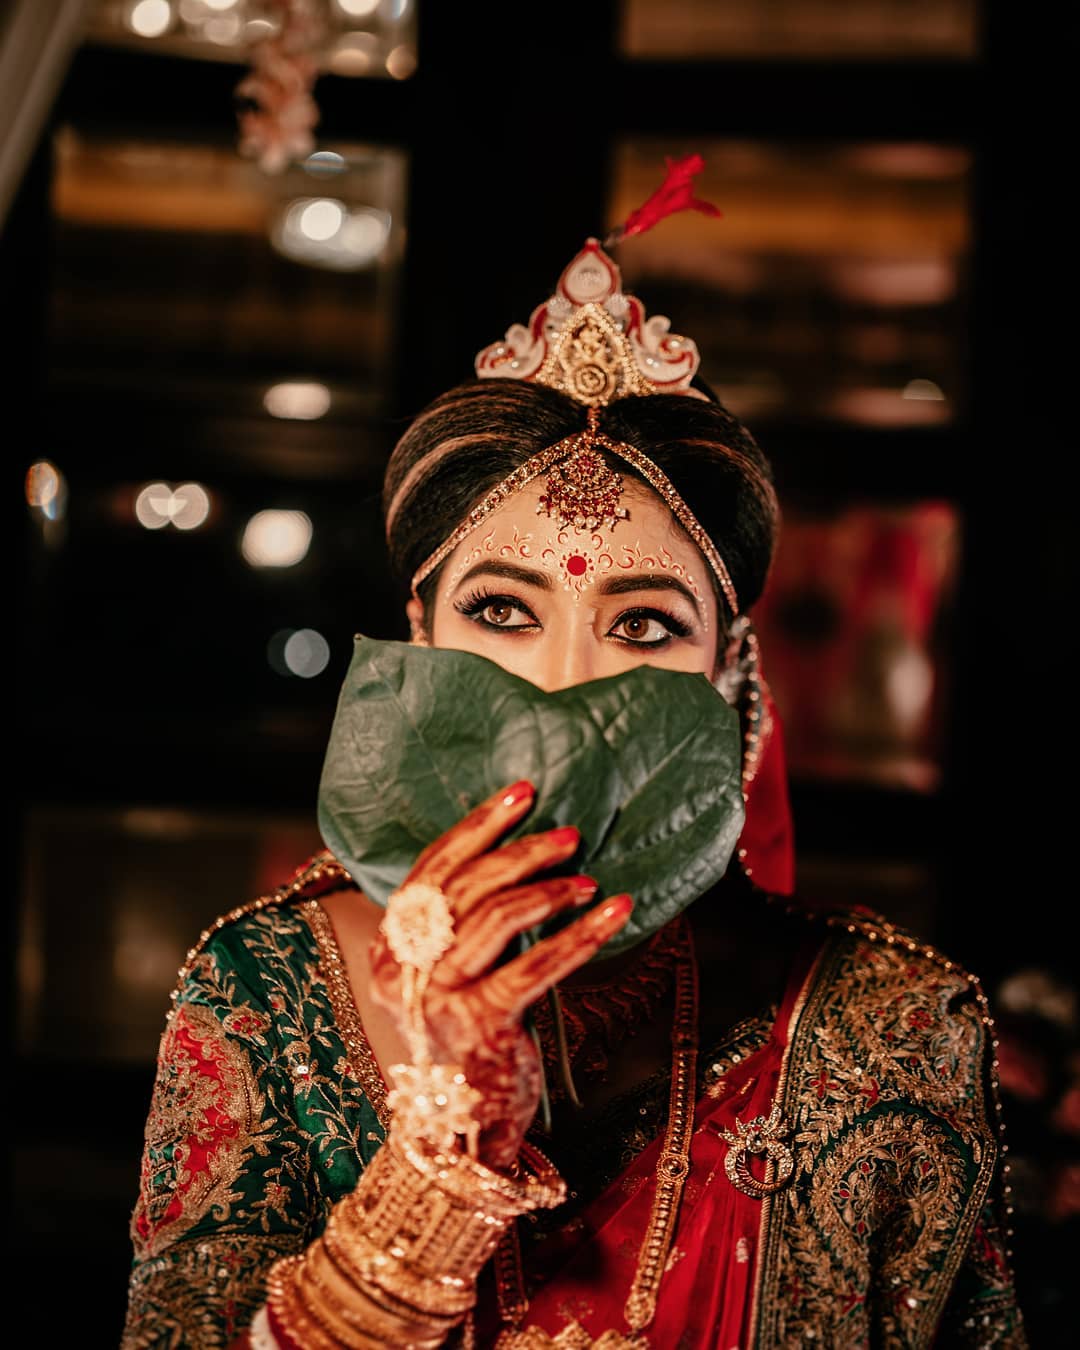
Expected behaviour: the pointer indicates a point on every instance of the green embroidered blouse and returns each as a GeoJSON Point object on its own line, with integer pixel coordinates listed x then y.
{"type": "Point", "coordinates": [268, 1105]}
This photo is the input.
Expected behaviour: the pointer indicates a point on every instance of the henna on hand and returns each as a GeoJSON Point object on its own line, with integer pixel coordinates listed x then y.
{"type": "Point", "coordinates": [473, 1010]}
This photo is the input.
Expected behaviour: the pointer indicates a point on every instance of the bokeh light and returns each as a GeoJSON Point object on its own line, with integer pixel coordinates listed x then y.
{"type": "Point", "coordinates": [190, 506]}
{"type": "Point", "coordinates": [401, 62]}
{"type": "Point", "coordinates": [187, 506]}
{"type": "Point", "coordinates": [152, 506]}
{"type": "Point", "coordinates": [298, 651]}
{"type": "Point", "coordinates": [353, 54]}
{"type": "Point", "coordinates": [923, 389]}
{"type": "Point", "coordinates": [320, 219]}
{"type": "Point", "coordinates": [150, 18]}
{"type": "Point", "coordinates": [323, 232]}
{"type": "Point", "coordinates": [276, 538]}
{"type": "Point", "coordinates": [300, 400]}
{"type": "Point", "coordinates": [307, 653]}
{"type": "Point", "coordinates": [357, 9]}
{"type": "Point", "coordinates": [258, 30]}
{"type": "Point", "coordinates": [324, 164]}
{"type": "Point", "coordinates": [224, 29]}
{"type": "Point", "coordinates": [46, 489]}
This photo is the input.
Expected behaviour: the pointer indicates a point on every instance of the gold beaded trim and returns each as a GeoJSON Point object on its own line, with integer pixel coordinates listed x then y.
{"type": "Point", "coordinates": [323, 868]}
{"type": "Point", "coordinates": [589, 439]}
{"type": "Point", "coordinates": [759, 724]}
{"type": "Point", "coordinates": [362, 1063]}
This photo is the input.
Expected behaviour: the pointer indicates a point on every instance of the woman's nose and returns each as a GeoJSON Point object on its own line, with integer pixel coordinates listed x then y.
{"type": "Point", "coordinates": [567, 661]}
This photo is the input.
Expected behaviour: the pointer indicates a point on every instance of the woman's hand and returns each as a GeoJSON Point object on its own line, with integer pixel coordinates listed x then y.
{"type": "Point", "coordinates": [472, 1010]}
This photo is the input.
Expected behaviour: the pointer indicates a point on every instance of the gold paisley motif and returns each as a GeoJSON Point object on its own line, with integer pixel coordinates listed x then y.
{"type": "Point", "coordinates": [894, 1154]}
{"type": "Point", "coordinates": [895, 1186]}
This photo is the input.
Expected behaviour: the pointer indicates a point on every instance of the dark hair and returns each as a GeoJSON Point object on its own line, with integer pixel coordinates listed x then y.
{"type": "Point", "coordinates": [473, 436]}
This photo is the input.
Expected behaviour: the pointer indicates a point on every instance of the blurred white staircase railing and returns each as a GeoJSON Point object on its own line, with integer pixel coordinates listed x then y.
{"type": "Point", "coordinates": [37, 40]}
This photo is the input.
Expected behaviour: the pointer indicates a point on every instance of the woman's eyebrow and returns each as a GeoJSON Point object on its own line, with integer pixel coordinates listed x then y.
{"type": "Point", "coordinates": [647, 581]}
{"type": "Point", "coordinates": [528, 576]}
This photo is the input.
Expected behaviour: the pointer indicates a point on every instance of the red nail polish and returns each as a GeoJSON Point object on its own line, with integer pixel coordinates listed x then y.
{"type": "Point", "coordinates": [518, 792]}
{"type": "Point", "coordinates": [619, 907]}
{"type": "Point", "coordinates": [567, 834]}
{"type": "Point", "coordinates": [584, 889]}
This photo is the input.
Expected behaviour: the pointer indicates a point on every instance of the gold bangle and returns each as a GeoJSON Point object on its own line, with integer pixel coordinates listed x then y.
{"type": "Point", "coordinates": [398, 1260]}
{"type": "Point", "coordinates": [337, 1284]}
{"type": "Point", "coordinates": [441, 1213]}
{"type": "Point", "coordinates": [396, 1283]}
{"type": "Point", "coordinates": [410, 1233]}
{"type": "Point", "coordinates": [461, 1177]}
{"type": "Point", "coordinates": [289, 1314]}
{"type": "Point", "coordinates": [403, 1298]}
{"type": "Point", "coordinates": [313, 1318]}
{"type": "Point", "coordinates": [322, 1285]}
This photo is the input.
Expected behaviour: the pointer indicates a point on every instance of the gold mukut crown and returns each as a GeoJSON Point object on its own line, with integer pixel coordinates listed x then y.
{"type": "Point", "coordinates": [593, 341]}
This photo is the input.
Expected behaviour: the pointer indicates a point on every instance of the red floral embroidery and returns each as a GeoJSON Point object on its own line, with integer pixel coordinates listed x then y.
{"type": "Point", "coordinates": [823, 1083]}
{"type": "Point", "coordinates": [202, 1119]}
{"type": "Point", "coordinates": [248, 1023]}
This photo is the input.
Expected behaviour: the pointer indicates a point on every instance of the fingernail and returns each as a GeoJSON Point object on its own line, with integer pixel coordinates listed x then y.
{"type": "Point", "coordinates": [567, 834]}
{"type": "Point", "coordinates": [518, 792]}
{"type": "Point", "coordinates": [584, 889]}
{"type": "Point", "coordinates": [619, 908]}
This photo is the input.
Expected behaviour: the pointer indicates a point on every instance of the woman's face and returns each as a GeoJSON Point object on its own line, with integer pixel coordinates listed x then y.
{"type": "Point", "coordinates": [559, 607]}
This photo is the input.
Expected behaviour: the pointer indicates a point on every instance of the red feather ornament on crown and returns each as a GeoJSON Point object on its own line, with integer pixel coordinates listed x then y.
{"type": "Point", "coordinates": [591, 339]}
{"type": "Point", "coordinates": [675, 193]}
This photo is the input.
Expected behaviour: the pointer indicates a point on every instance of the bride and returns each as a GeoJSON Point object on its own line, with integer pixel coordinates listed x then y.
{"type": "Point", "coordinates": [393, 1117]}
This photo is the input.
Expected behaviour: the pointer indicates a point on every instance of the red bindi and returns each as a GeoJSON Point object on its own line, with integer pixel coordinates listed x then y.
{"type": "Point", "coordinates": [576, 565]}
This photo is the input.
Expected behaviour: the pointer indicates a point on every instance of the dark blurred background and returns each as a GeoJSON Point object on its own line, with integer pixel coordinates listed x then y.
{"type": "Point", "coordinates": [209, 356]}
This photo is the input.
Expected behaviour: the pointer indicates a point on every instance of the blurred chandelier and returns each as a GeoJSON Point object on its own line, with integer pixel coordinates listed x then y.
{"type": "Point", "coordinates": [288, 43]}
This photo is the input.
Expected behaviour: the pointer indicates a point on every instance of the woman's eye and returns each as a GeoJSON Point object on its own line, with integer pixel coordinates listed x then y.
{"type": "Point", "coordinates": [495, 611]}
{"type": "Point", "coordinates": [502, 613]}
{"type": "Point", "coordinates": [646, 629]}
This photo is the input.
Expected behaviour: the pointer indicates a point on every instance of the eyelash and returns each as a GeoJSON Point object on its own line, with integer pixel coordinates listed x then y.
{"type": "Point", "coordinates": [473, 605]}
{"type": "Point", "coordinates": [675, 627]}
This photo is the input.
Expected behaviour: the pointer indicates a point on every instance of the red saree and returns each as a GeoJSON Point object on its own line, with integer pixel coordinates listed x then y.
{"type": "Point", "coordinates": [706, 1295]}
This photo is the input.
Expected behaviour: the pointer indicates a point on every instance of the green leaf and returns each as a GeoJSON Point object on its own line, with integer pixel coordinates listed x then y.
{"type": "Point", "coordinates": [646, 764]}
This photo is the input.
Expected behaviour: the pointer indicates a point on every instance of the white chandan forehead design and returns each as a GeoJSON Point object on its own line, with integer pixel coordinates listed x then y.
{"type": "Point", "coordinates": [577, 562]}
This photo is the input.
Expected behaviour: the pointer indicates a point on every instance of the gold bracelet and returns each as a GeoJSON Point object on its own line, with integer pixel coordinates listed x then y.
{"type": "Point", "coordinates": [440, 1213]}
{"type": "Point", "coordinates": [467, 1180]}
{"type": "Point", "coordinates": [403, 1297]}
{"type": "Point", "coordinates": [396, 1284]}
{"type": "Point", "coordinates": [315, 1314]}
{"type": "Point", "coordinates": [312, 1316]}
{"type": "Point", "coordinates": [398, 1261]}
{"type": "Point", "coordinates": [294, 1325]}
{"type": "Point", "coordinates": [361, 1310]}
{"type": "Point", "coordinates": [336, 1284]}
